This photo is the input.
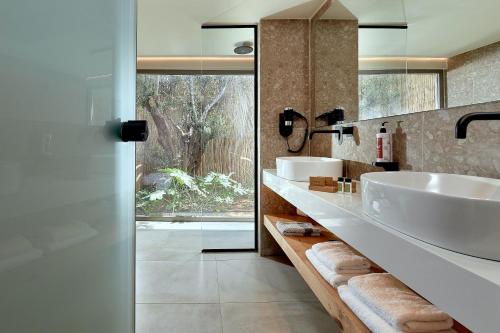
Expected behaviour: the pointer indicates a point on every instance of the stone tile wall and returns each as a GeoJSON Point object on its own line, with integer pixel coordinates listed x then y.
{"type": "Point", "coordinates": [474, 76]}
{"type": "Point", "coordinates": [425, 141]}
{"type": "Point", "coordinates": [284, 81]}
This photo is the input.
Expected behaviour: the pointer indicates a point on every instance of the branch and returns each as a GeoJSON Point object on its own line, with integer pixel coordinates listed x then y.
{"type": "Point", "coordinates": [191, 92]}
{"type": "Point", "coordinates": [214, 101]}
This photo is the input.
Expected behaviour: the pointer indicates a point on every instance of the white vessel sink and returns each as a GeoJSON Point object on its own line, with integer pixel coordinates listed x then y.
{"type": "Point", "coordinates": [300, 168]}
{"type": "Point", "coordinates": [458, 213]}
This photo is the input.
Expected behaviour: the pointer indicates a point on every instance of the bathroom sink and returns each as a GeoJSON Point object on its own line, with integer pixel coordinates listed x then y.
{"type": "Point", "coordinates": [300, 168]}
{"type": "Point", "coordinates": [455, 212]}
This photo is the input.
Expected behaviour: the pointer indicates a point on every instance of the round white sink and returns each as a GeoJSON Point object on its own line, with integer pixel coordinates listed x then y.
{"type": "Point", "coordinates": [458, 213]}
{"type": "Point", "coordinates": [300, 168]}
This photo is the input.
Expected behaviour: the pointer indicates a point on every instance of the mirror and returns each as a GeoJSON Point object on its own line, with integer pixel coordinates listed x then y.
{"type": "Point", "coordinates": [425, 55]}
{"type": "Point", "coordinates": [334, 58]}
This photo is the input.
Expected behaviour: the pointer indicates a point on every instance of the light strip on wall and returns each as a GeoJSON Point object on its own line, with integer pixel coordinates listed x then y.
{"type": "Point", "coordinates": [369, 63]}
{"type": "Point", "coordinates": [196, 63]}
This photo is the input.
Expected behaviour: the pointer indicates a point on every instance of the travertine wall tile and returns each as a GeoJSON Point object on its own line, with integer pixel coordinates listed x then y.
{"type": "Point", "coordinates": [407, 141]}
{"type": "Point", "coordinates": [336, 66]}
{"type": "Point", "coordinates": [474, 76]}
{"type": "Point", "coordinates": [354, 169]}
{"type": "Point", "coordinates": [426, 141]}
{"type": "Point", "coordinates": [321, 145]}
{"type": "Point", "coordinates": [284, 68]}
{"type": "Point", "coordinates": [284, 81]}
{"type": "Point", "coordinates": [477, 155]}
{"type": "Point", "coordinates": [274, 145]}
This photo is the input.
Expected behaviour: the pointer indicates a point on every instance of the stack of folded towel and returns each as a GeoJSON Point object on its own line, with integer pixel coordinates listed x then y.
{"type": "Point", "coordinates": [385, 305]}
{"type": "Point", "coordinates": [297, 229]}
{"type": "Point", "coordinates": [336, 262]}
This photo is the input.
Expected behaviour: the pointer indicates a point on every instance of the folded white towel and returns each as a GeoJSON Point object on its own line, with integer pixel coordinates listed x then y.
{"type": "Point", "coordinates": [297, 229]}
{"type": "Point", "coordinates": [397, 304]}
{"type": "Point", "coordinates": [339, 258]}
{"type": "Point", "coordinates": [373, 321]}
{"type": "Point", "coordinates": [334, 279]}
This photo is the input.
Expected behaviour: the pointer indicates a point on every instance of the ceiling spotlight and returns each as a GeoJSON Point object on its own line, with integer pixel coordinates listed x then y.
{"type": "Point", "coordinates": [245, 47]}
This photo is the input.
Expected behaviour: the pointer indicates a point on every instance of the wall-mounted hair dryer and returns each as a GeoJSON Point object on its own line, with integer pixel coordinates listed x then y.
{"type": "Point", "coordinates": [287, 117]}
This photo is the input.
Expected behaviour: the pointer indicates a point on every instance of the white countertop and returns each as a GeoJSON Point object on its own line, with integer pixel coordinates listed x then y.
{"type": "Point", "coordinates": [466, 287]}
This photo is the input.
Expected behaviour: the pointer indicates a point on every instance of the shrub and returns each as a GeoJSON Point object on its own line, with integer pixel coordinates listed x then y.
{"type": "Point", "coordinates": [182, 192]}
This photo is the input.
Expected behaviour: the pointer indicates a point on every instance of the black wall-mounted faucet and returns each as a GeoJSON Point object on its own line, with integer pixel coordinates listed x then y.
{"type": "Point", "coordinates": [463, 122]}
{"type": "Point", "coordinates": [325, 131]}
{"type": "Point", "coordinates": [341, 131]}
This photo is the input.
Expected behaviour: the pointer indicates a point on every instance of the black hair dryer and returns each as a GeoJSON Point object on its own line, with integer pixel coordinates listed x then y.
{"type": "Point", "coordinates": [287, 118]}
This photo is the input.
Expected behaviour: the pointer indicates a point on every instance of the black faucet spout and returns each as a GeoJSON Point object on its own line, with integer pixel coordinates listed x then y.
{"type": "Point", "coordinates": [464, 121]}
{"type": "Point", "coordinates": [324, 131]}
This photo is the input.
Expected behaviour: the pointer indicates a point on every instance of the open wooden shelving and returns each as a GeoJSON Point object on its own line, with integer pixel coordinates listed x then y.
{"type": "Point", "coordinates": [295, 248]}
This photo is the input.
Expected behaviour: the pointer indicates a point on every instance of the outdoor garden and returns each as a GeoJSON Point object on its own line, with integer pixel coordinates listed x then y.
{"type": "Point", "coordinates": [199, 158]}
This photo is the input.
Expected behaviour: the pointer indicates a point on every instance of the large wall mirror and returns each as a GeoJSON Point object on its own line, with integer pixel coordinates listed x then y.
{"type": "Point", "coordinates": [422, 55]}
{"type": "Point", "coordinates": [334, 54]}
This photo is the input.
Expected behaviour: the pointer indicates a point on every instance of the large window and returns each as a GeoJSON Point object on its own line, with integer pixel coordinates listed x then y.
{"type": "Point", "coordinates": [388, 93]}
{"type": "Point", "coordinates": [199, 158]}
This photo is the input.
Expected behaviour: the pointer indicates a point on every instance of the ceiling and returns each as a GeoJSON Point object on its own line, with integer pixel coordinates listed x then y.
{"type": "Point", "coordinates": [172, 27]}
{"type": "Point", "coordinates": [436, 28]}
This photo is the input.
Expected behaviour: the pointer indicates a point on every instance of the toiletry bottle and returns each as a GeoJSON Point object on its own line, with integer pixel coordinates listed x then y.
{"type": "Point", "coordinates": [340, 184]}
{"type": "Point", "coordinates": [348, 185]}
{"type": "Point", "coordinates": [384, 145]}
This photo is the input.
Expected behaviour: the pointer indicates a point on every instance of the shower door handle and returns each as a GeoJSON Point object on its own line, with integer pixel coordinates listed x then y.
{"type": "Point", "coordinates": [134, 130]}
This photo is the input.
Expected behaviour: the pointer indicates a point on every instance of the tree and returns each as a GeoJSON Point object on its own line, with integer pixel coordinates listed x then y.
{"type": "Point", "coordinates": [181, 107]}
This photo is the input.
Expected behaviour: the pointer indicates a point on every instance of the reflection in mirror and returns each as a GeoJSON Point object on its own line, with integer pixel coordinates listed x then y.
{"type": "Point", "coordinates": [334, 55]}
{"type": "Point", "coordinates": [449, 56]}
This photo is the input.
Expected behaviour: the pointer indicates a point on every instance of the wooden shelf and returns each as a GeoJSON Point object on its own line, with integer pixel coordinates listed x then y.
{"type": "Point", "coordinates": [295, 248]}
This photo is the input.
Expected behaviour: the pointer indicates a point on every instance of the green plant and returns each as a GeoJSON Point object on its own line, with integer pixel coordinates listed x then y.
{"type": "Point", "coordinates": [214, 192]}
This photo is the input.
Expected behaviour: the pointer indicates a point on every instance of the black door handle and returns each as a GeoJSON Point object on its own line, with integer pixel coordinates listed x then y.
{"type": "Point", "coordinates": [134, 130]}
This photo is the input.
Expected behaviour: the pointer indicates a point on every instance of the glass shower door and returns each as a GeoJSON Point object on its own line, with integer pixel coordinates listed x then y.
{"type": "Point", "coordinates": [227, 153]}
{"type": "Point", "coordinates": [67, 72]}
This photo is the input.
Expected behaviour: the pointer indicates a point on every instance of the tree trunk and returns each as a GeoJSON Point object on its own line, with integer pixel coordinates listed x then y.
{"type": "Point", "coordinates": [167, 132]}
{"type": "Point", "coordinates": [171, 136]}
{"type": "Point", "coordinates": [192, 153]}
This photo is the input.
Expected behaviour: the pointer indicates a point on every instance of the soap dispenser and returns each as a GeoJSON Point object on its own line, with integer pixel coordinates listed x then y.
{"type": "Point", "coordinates": [384, 144]}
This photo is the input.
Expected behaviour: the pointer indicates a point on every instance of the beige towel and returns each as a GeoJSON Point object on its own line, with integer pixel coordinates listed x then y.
{"type": "Point", "coordinates": [372, 320]}
{"type": "Point", "coordinates": [397, 304]}
{"type": "Point", "coordinates": [334, 279]}
{"type": "Point", "coordinates": [339, 258]}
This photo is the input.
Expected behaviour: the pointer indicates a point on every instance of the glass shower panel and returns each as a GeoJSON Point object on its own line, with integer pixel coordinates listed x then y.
{"type": "Point", "coordinates": [226, 152]}
{"type": "Point", "coordinates": [168, 194]}
{"type": "Point", "coordinates": [67, 73]}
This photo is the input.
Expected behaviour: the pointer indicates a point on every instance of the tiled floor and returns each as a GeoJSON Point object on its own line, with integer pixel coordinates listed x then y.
{"type": "Point", "coordinates": [178, 290]}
